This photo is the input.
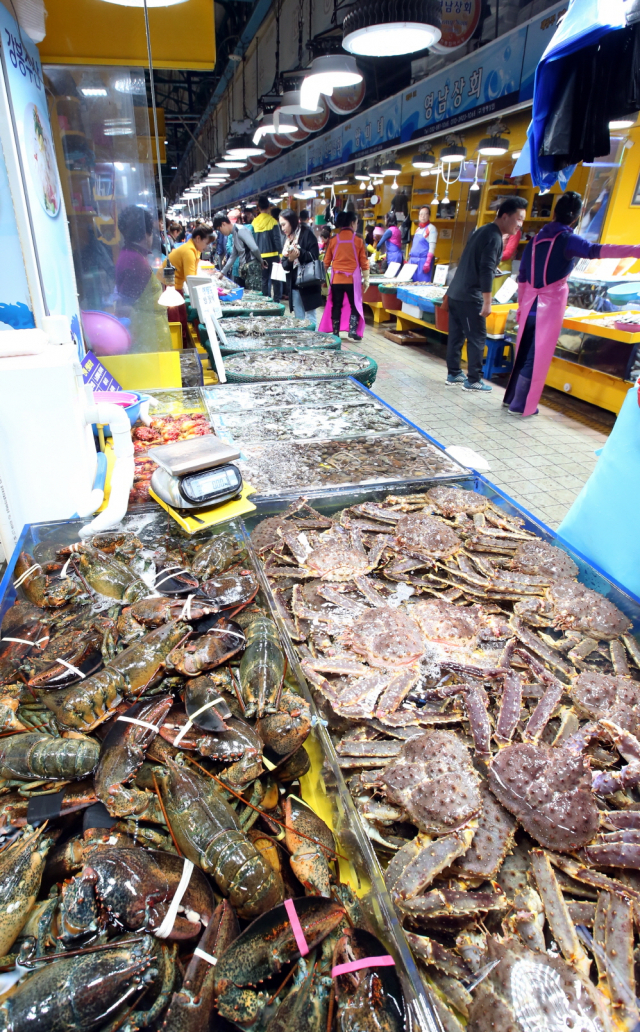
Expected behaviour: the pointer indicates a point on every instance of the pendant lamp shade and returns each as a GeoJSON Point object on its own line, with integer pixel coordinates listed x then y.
{"type": "Point", "coordinates": [391, 168]}
{"type": "Point", "coordinates": [242, 146]}
{"type": "Point", "coordinates": [424, 160]}
{"type": "Point", "coordinates": [325, 74]}
{"type": "Point", "coordinates": [493, 146]}
{"type": "Point", "coordinates": [291, 104]}
{"type": "Point", "coordinates": [452, 154]}
{"type": "Point", "coordinates": [384, 28]}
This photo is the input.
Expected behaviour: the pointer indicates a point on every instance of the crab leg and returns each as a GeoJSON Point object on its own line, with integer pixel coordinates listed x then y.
{"type": "Point", "coordinates": [583, 649]}
{"type": "Point", "coordinates": [533, 642]}
{"type": "Point", "coordinates": [580, 873]}
{"type": "Point", "coordinates": [632, 648]}
{"type": "Point", "coordinates": [510, 707]}
{"type": "Point", "coordinates": [557, 914]}
{"type": "Point", "coordinates": [618, 658]}
{"type": "Point", "coordinates": [284, 614]}
{"type": "Point", "coordinates": [545, 709]}
{"type": "Point", "coordinates": [438, 956]}
{"type": "Point", "coordinates": [478, 717]}
{"type": "Point", "coordinates": [453, 902]}
{"type": "Point", "coordinates": [296, 543]}
{"type": "Point", "coordinates": [599, 935]}
{"type": "Point", "coordinates": [397, 690]}
{"type": "Point", "coordinates": [416, 865]}
{"type": "Point", "coordinates": [339, 599]}
{"type": "Point", "coordinates": [366, 588]}
{"type": "Point", "coordinates": [619, 955]}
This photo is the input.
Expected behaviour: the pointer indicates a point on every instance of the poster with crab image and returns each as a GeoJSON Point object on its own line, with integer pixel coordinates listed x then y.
{"type": "Point", "coordinates": [34, 182]}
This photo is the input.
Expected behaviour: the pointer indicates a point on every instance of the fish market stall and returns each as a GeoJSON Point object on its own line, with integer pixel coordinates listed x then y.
{"type": "Point", "coordinates": [190, 747]}
{"type": "Point", "coordinates": [596, 358]}
{"type": "Point", "coordinates": [252, 303]}
{"type": "Point", "coordinates": [480, 684]}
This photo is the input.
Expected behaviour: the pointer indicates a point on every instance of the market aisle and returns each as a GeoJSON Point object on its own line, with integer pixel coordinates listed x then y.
{"type": "Point", "coordinates": [542, 462]}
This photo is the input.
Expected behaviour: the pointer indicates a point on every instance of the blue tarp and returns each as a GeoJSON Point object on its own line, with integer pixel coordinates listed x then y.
{"type": "Point", "coordinates": [585, 23]}
{"type": "Point", "coordinates": [602, 523]}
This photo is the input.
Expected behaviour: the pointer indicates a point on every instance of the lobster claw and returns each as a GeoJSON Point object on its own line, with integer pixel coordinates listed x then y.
{"type": "Point", "coordinates": [263, 949]}
{"type": "Point", "coordinates": [372, 993]}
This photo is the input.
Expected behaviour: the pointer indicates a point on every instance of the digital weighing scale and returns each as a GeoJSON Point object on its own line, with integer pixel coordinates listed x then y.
{"type": "Point", "coordinates": [197, 483]}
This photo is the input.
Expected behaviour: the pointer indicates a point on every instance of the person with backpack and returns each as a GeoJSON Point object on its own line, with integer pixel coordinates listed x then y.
{"type": "Point", "coordinates": [269, 240]}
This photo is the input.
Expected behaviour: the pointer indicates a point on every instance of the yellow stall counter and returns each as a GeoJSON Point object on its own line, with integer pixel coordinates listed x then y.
{"type": "Point", "coordinates": [145, 370]}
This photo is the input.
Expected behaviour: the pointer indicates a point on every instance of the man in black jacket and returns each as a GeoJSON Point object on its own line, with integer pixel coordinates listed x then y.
{"type": "Point", "coordinates": [269, 240]}
{"type": "Point", "coordinates": [469, 296]}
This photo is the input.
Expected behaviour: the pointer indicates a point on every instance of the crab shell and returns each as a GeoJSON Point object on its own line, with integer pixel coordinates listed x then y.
{"type": "Point", "coordinates": [451, 501]}
{"type": "Point", "coordinates": [425, 537]}
{"type": "Point", "coordinates": [597, 696]}
{"type": "Point", "coordinates": [433, 780]}
{"type": "Point", "coordinates": [528, 989]}
{"type": "Point", "coordinates": [549, 791]}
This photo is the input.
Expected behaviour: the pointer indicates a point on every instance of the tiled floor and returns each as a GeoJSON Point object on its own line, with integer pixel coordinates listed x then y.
{"type": "Point", "coordinates": [542, 462]}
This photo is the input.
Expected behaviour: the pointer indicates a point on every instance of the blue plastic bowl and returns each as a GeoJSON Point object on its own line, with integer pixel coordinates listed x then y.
{"type": "Point", "coordinates": [623, 293]}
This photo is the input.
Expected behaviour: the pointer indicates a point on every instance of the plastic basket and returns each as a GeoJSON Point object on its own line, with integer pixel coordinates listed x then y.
{"type": "Point", "coordinates": [367, 375]}
{"type": "Point", "coordinates": [233, 295]}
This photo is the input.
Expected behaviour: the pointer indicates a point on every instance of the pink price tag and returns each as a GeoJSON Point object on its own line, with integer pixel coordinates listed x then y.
{"type": "Point", "coordinates": [358, 965]}
{"type": "Point", "coordinates": [296, 927]}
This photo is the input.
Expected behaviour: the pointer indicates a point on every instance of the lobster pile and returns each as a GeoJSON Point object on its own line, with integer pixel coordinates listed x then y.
{"type": "Point", "coordinates": [157, 867]}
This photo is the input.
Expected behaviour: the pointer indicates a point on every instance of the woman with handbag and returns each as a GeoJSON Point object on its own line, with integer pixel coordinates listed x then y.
{"type": "Point", "coordinates": [300, 261]}
{"type": "Point", "coordinates": [347, 256]}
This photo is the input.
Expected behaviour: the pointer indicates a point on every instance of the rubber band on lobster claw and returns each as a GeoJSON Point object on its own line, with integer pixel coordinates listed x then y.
{"type": "Point", "coordinates": [365, 962]}
{"type": "Point", "coordinates": [296, 927]}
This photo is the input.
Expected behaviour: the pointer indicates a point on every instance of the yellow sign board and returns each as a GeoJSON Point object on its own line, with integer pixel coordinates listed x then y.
{"type": "Point", "coordinates": [95, 32]}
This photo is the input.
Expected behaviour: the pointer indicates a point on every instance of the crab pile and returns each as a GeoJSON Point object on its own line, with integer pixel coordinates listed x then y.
{"type": "Point", "coordinates": [484, 708]}
{"type": "Point", "coordinates": [152, 830]}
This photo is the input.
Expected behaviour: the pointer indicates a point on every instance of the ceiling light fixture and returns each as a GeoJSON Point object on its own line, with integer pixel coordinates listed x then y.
{"type": "Point", "coordinates": [93, 91]}
{"type": "Point", "coordinates": [274, 123]}
{"type": "Point", "coordinates": [229, 163]}
{"type": "Point", "coordinates": [291, 104]}
{"type": "Point", "coordinates": [242, 146]}
{"type": "Point", "coordinates": [452, 153]}
{"type": "Point", "coordinates": [493, 146]}
{"type": "Point", "coordinates": [515, 154]}
{"type": "Point", "coordinates": [325, 74]}
{"type": "Point", "coordinates": [622, 123]}
{"type": "Point", "coordinates": [426, 159]}
{"type": "Point", "coordinates": [170, 297]}
{"type": "Point", "coordinates": [340, 182]}
{"type": "Point", "coordinates": [380, 28]}
{"type": "Point", "coordinates": [391, 168]}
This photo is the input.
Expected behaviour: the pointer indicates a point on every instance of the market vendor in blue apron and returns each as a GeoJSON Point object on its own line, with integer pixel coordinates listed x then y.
{"type": "Point", "coordinates": [423, 247]}
{"type": "Point", "coordinates": [546, 265]}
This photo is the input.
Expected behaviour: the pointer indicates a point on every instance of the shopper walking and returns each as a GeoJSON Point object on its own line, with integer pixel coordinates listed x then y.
{"type": "Point", "coordinates": [542, 298]}
{"type": "Point", "coordinates": [346, 255]}
{"type": "Point", "coordinates": [423, 247]}
{"type": "Point", "coordinates": [245, 248]}
{"type": "Point", "coordinates": [392, 240]}
{"type": "Point", "coordinates": [269, 241]}
{"type": "Point", "coordinates": [300, 249]}
{"type": "Point", "coordinates": [469, 296]}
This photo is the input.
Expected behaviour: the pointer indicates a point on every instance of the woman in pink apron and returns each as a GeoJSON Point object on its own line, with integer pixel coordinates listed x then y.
{"type": "Point", "coordinates": [392, 240]}
{"type": "Point", "coordinates": [347, 257]}
{"type": "Point", "coordinates": [542, 297]}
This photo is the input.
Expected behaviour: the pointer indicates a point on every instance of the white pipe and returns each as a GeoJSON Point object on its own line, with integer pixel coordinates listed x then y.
{"type": "Point", "coordinates": [122, 475]}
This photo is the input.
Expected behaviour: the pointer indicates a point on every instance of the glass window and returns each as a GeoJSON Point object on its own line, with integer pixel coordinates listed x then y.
{"type": "Point", "coordinates": [100, 122]}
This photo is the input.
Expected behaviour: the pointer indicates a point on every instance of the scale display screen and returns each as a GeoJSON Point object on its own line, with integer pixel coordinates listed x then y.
{"type": "Point", "coordinates": [211, 485]}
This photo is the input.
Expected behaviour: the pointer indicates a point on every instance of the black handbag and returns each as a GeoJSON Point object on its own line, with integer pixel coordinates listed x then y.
{"type": "Point", "coordinates": [311, 275]}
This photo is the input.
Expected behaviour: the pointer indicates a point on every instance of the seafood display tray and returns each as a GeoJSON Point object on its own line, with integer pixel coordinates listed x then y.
{"type": "Point", "coordinates": [322, 787]}
{"type": "Point", "coordinates": [330, 502]}
{"type": "Point", "coordinates": [587, 574]}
